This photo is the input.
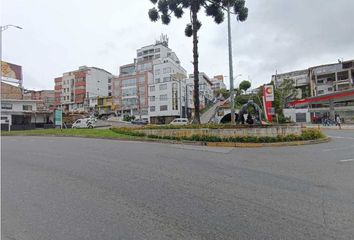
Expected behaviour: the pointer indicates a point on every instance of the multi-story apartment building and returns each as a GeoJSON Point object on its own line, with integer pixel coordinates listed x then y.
{"type": "Point", "coordinates": [130, 89]}
{"type": "Point", "coordinates": [325, 90]}
{"type": "Point", "coordinates": [75, 90]}
{"type": "Point", "coordinates": [153, 85]}
{"type": "Point", "coordinates": [206, 92]}
{"type": "Point", "coordinates": [300, 78]}
{"type": "Point", "coordinates": [320, 80]}
{"type": "Point", "coordinates": [331, 78]}
{"type": "Point", "coordinates": [218, 82]}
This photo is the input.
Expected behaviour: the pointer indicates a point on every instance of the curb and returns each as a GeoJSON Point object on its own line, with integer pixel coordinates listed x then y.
{"type": "Point", "coordinates": [276, 144]}
{"type": "Point", "coordinates": [195, 143]}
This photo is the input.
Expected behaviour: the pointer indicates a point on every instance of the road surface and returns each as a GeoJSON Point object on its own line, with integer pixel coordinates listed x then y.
{"type": "Point", "coordinates": [79, 188]}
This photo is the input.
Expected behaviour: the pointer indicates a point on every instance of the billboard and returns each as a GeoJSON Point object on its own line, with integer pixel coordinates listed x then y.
{"type": "Point", "coordinates": [269, 93]}
{"type": "Point", "coordinates": [11, 71]}
{"type": "Point", "coordinates": [58, 117]}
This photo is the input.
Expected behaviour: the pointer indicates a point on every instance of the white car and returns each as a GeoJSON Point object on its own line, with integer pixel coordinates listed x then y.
{"type": "Point", "coordinates": [83, 123]}
{"type": "Point", "coordinates": [180, 121]}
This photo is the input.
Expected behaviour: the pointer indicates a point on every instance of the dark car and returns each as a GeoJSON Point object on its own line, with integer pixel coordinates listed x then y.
{"type": "Point", "coordinates": [140, 121]}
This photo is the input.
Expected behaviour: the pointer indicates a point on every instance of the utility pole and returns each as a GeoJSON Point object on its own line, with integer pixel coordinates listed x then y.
{"type": "Point", "coordinates": [232, 92]}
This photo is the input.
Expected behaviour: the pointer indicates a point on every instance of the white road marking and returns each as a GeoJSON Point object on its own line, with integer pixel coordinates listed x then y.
{"type": "Point", "coordinates": [335, 149]}
{"type": "Point", "coordinates": [340, 137]}
{"type": "Point", "coordinates": [347, 160]}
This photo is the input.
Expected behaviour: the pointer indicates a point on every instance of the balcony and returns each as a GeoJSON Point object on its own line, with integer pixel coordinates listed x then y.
{"type": "Point", "coordinates": [80, 83]}
{"type": "Point", "coordinates": [80, 91]}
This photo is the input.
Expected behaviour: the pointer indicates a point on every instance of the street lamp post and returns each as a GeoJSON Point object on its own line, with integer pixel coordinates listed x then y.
{"type": "Point", "coordinates": [232, 92]}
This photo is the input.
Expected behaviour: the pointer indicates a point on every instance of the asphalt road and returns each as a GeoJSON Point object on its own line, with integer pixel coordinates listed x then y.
{"type": "Point", "coordinates": [73, 188]}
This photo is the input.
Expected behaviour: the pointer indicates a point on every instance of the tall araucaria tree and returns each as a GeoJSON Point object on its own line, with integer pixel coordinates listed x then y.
{"type": "Point", "coordinates": [215, 8]}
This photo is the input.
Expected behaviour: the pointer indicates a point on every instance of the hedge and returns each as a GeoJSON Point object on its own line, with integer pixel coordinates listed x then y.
{"type": "Point", "coordinates": [307, 134]}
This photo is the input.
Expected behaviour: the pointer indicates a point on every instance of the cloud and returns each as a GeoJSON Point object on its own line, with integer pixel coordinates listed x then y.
{"type": "Point", "coordinates": [60, 36]}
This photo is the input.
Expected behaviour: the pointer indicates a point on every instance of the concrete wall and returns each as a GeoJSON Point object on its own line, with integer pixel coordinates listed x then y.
{"type": "Point", "coordinates": [257, 132]}
{"type": "Point", "coordinates": [291, 112]}
{"type": "Point", "coordinates": [10, 92]}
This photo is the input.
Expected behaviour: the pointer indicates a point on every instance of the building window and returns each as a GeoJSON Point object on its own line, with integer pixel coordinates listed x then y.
{"type": "Point", "coordinates": [157, 49]}
{"type": "Point", "coordinates": [157, 80]}
{"type": "Point", "coordinates": [330, 89]}
{"type": "Point", "coordinates": [167, 70]}
{"type": "Point", "coordinates": [129, 82]}
{"type": "Point", "coordinates": [27, 107]}
{"type": "Point", "coordinates": [6, 106]}
{"type": "Point", "coordinates": [157, 56]}
{"type": "Point", "coordinates": [129, 92]}
{"type": "Point", "coordinates": [163, 87]}
{"type": "Point", "coordinates": [166, 79]}
{"type": "Point", "coordinates": [109, 94]}
{"type": "Point", "coordinates": [3, 118]}
{"type": "Point", "coordinates": [109, 80]}
{"type": "Point", "coordinates": [320, 91]}
{"type": "Point", "coordinates": [152, 88]}
{"type": "Point", "coordinates": [163, 108]}
{"type": "Point", "coordinates": [163, 97]}
{"type": "Point", "coordinates": [157, 71]}
{"type": "Point", "coordinates": [174, 97]}
{"type": "Point", "coordinates": [152, 98]}
{"type": "Point", "coordinates": [142, 79]}
{"type": "Point", "coordinates": [152, 108]}
{"type": "Point", "coordinates": [109, 87]}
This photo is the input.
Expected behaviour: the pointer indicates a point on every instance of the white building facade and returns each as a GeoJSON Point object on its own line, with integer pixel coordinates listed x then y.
{"type": "Point", "coordinates": [206, 92]}
{"type": "Point", "coordinates": [20, 114]}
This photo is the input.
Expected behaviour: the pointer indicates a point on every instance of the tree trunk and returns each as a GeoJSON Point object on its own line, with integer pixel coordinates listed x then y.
{"type": "Point", "coordinates": [195, 63]}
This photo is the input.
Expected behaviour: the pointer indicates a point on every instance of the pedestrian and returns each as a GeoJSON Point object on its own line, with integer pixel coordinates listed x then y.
{"type": "Point", "coordinates": [338, 121]}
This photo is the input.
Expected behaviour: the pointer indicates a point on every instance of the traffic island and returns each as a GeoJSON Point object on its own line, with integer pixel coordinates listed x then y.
{"type": "Point", "coordinates": [231, 137]}
{"type": "Point", "coordinates": [203, 137]}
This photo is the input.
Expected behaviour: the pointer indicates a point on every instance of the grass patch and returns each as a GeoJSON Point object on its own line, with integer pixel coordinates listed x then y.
{"type": "Point", "coordinates": [98, 133]}
{"type": "Point", "coordinates": [133, 134]}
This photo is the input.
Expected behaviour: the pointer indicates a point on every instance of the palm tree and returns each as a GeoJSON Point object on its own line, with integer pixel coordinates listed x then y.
{"type": "Point", "coordinates": [215, 8]}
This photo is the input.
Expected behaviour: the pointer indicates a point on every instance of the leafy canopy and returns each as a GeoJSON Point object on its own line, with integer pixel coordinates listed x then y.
{"type": "Point", "coordinates": [244, 85]}
{"type": "Point", "coordinates": [215, 8]}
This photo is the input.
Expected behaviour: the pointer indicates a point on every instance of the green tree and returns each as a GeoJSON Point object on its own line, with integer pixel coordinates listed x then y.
{"type": "Point", "coordinates": [214, 8]}
{"type": "Point", "coordinates": [245, 85]}
{"type": "Point", "coordinates": [224, 92]}
{"type": "Point", "coordinates": [283, 94]}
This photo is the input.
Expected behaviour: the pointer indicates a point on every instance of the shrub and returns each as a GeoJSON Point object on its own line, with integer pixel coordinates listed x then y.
{"type": "Point", "coordinates": [307, 134]}
{"type": "Point", "coordinates": [310, 134]}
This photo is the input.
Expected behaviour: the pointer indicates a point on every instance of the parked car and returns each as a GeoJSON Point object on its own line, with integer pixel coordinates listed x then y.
{"type": "Point", "coordinates": [180, 121]}
{"type": "Point", "coordinates": [142, 121]}
{"type": "Point", "coordinates": [83, 123]}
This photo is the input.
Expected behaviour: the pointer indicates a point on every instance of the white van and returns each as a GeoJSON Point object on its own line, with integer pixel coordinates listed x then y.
{"type": "Point", "coordinates": [180, 121]}
{"type": "Point", "coordinates": [83, 123]}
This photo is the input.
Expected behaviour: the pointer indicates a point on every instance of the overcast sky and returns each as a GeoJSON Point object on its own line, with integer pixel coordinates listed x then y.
{"type": "Point", "coordinates": [60, 36]}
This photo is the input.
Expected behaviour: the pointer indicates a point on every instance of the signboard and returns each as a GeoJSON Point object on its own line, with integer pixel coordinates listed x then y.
{"type": "Point", "coordinates": [269, 93]}
{"type": "Point", "coordinates": [58, 117]}
{"type": "Point", "coordinates": [11, 71]}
